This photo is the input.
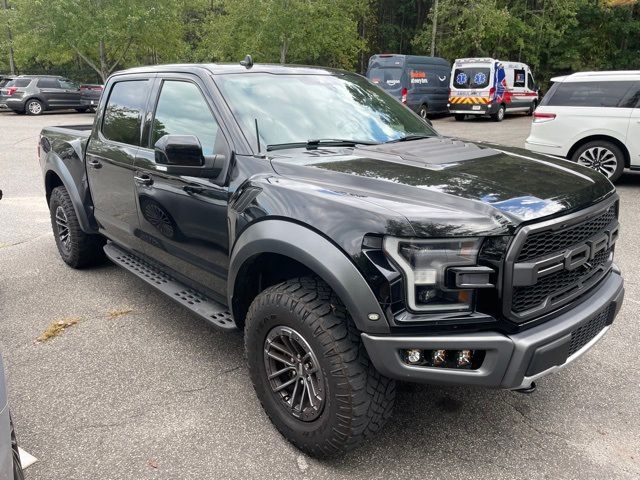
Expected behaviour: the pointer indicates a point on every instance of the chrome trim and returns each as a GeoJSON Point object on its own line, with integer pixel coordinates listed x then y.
{"type": "Point", "coordinates": [527, 381]}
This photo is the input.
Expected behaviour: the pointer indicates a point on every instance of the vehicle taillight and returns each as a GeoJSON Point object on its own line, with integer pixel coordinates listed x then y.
{"type": "Point", "coordinates": [11, 90]}
{"type": "Point", "coordinates": [403, 97]}
{"type": "Point", "coordinates": [492, 92]}
{"type": "Point", "coordinates": [539, 117]}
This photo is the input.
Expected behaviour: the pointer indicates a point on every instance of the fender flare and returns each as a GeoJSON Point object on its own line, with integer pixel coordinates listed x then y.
{"type": "Point", "coordinates": [319, 255]}
{"type": "Point", "coordinates": [55, 165]}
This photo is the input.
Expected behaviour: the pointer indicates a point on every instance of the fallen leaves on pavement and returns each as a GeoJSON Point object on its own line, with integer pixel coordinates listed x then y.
{"type": "Point", "coordinates": [56, 328]}
{"type": "Point", "coordinates": [118, 313]}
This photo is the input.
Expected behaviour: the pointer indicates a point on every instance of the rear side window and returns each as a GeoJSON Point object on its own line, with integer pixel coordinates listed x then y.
{"type": "Point", "coordinates": [518, 78]}
{"type": "Point", "coordinates": [48, 83]}
{"type": "Point", "coordinates": [19, 82]}
{"type": "Point", "coordinates": [123, 114]}
{"type": "Point", "coordinates": [588, 94]}
{"type": "Point", "coordinates": [387, 77]}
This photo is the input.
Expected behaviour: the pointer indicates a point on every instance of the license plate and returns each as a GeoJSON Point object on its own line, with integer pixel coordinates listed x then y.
{"type": "Point", "coordinates": [475, 107]}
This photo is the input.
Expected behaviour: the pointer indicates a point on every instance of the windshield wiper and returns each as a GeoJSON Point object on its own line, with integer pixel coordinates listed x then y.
{"type": "Point", "coordinates": [314, 143]}
{"type": "Point", "coordinates": [409, 137]}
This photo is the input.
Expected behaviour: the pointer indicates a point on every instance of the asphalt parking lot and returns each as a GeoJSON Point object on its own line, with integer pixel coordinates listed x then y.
{"type": "Point", "coordinates": [140, 389]}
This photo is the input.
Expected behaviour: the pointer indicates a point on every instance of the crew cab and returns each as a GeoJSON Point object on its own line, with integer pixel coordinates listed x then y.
{"type": "Point", "coordinates": [353, 244]}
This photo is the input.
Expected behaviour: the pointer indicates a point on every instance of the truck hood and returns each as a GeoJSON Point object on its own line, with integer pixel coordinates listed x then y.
{"type": "Point", "coordinates": [506, 185]}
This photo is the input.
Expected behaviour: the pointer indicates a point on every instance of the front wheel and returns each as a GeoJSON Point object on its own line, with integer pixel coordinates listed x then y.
{"type": "Point", "coordinates": [34, 107]}
{"type": "Point", "coordinates": [601, 156]}
{"type": "Point", "coordinates": [310, 370]}
{"type": "Point", "coordinates": [18, 473]}
{"type": "Point", "coordinates": [77, 248]}
{"type": "Point", "coordinates": [499, 115]}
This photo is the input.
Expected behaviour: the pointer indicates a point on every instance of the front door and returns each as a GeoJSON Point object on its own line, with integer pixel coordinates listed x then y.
{"type": "Point", "coordinates": [183, 220]}
{"type": "Point", "coordinates": [110, 159]}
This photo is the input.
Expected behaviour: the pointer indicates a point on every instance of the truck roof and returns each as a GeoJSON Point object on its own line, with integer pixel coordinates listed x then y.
{"type": "Point", "coordinates": [230, 68]}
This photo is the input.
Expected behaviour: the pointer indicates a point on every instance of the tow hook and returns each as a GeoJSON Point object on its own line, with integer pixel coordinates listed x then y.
{"type": "Point", "coordinates": [527, 391]}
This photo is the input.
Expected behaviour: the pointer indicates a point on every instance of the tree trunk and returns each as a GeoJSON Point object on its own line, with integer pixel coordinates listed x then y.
{"type": "Point", "coordinates": [434, 28]}
{"type": "Point", "coordinates": [103, 62]}
{"type": "Point", "coordinates": [12, 63]}
{"type": "Point", "coordinates": [284, 47]}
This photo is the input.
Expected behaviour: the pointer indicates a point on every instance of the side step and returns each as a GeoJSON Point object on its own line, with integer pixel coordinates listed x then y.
{"type": "Point", "coordinates": [206, 308]}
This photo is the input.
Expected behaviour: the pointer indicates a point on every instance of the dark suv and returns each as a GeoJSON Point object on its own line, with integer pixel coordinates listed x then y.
{"type": "Point", "coordinates": [33, 94]}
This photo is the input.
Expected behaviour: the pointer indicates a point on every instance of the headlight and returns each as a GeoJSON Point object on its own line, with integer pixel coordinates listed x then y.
{"type": "Point", "coordinates": [424, 264]}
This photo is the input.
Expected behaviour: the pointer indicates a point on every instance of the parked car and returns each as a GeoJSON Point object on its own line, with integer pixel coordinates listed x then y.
{"type": "Point", "coordinates": [421, 83]}
{"type": "Point", "coordinates": [486, 86]}
{"type": "Point", "coordinates": [4, 79]}
{"type": "Point", "coordinates": [34, 94]}
{"type": "Point", "coordinates": [90, 96]}
{"type": "Point", "coordinates": [592, 118]}
{"type": "Point", "coordinates": [351, 243]}
{"type": "Point", "coordinates": [10, 467]}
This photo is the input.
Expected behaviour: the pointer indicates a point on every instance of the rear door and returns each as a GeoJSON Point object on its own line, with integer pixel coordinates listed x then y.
{"type": "Point", "coordinates": [50, 90]}
{"type": "Point", "coordinates": [183, 219]}
{"type": "Point", "coordinates": [110, 158]}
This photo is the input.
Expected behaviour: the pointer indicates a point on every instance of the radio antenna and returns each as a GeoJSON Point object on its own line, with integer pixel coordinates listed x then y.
{"type": "Point", "coordinates": [258, 138]}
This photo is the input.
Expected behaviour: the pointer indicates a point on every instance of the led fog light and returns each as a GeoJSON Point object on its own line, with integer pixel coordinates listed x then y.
{"type": "Point", "coordinates": [413, 355]}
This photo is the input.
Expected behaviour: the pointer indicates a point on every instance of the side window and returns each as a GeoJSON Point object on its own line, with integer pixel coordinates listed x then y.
{"type": "Point", "coordinates": [123, 114]}
{"type": "Point", "coordinates": [590, 94]}
{"type": "Point", "coordinates": [530, 83]}
{"type": "Point", "coordinates": [48, 83]}
{"type": "Point", "coordinates": [632, 98]}
{"type": "Point", "coordinates": [182, 110]}
{"type": "Point", "coordinates": [518, 78]}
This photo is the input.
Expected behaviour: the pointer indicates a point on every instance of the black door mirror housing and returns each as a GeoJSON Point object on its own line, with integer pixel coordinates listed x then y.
{"type": "Point", "coordinates": [182, 155]}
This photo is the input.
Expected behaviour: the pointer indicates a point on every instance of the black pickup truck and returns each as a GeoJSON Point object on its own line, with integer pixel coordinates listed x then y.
{"type": "Point", "coordinates": [351, 243]}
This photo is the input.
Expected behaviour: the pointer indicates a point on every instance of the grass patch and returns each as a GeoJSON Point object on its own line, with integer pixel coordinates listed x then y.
{"type": "Point", "coordinates": [56, 328]}
{"type": "Point", "coordinates": [118, 313]}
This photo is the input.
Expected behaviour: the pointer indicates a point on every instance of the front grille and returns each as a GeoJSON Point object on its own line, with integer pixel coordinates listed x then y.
{"type": "Point", "coordinates": [585, 333]}
{"type": "Point", "coordinates": [540, 249]}
{"type": "Point", "coordinates": [556, 285]}
{"type": "Point", "coordinates": [543, 243]}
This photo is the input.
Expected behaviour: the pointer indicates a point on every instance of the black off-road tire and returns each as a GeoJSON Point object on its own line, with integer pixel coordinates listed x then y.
{"type": "Point", "coordinates": [82, 249]}
{"type": "Point", "coordinates": [357, 399]}
{"type": "Point", "coordinates": [18, 473]}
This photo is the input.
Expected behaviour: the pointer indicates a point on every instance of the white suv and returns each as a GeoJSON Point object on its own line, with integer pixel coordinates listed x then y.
{"type": "Point", "coordinates": [592, 118]}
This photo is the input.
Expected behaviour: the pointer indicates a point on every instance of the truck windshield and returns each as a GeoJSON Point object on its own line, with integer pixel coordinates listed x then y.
{"type": "Point", "coordinates": [297, 108]}
{"type": "Point", "coordinates": [471, 77]}
{"type": "Point", "coordinates": [388, 77]}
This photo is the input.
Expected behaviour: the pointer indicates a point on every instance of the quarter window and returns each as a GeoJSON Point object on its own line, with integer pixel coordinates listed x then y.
{"type": "Point", "coordinates": [123, 114]}
{"type": "Point", "coordinates": [182, 110]}
{"type": "Point", "coordinates": [589, 94]}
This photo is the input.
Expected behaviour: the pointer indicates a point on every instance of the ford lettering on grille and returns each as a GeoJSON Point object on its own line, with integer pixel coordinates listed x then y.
{"type": "Point", "coordinates": [551, 264]}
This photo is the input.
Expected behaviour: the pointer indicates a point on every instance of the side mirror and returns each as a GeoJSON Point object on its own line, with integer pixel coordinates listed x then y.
{"type": "Point", "coordinates": [182, 155]}
{"type": "Point", "coordinates": [179, 150]}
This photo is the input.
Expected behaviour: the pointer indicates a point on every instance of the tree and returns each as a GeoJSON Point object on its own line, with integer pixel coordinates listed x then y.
{"type": "Point", "coordinates": [100, 32]}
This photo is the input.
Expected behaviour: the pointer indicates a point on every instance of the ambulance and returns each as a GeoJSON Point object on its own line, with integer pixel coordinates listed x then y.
{"type": "Point", "coordinates": [486, 86]}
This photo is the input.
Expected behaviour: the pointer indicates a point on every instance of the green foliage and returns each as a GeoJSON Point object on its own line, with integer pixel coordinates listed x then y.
{"type": "Point", "coordinates": [88, 39]}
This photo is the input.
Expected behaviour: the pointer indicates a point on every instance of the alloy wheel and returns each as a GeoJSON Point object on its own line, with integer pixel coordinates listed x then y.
{"type": "Point", "coordinates": [157, 217]}
{"type": "Point", "coordinates": [34, 108]}
{"type": "Point", "coordinates": [294, 373]}
{"type": "Point", "coordinates": [62, 224]}
{"type": "Point", "coordinates": [600, 159]}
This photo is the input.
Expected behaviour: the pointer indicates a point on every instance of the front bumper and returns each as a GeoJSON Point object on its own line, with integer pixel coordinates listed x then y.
{"type": "Point", "coordinates": [511, 361]}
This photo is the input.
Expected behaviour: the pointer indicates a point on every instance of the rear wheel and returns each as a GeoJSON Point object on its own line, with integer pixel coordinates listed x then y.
{"type": "Point", "coordinates": [532, 108]}
{"type": "Point", "coordinates": [34, 107]}
{"type": "Point", "coordinates": [459, 117]}
{"type": "Point", "coordinates": [81, 110]}
{"type": "Point", "coordinates": [499, 115]}
{"type": "Point", "coordinates": [311, 371]}
{"type": "Point", "coordinates": [601, 156]}
{"type": "Point", "coordinates": [423, 111]}
{"type": "Point", "coordinates": [77, 248]}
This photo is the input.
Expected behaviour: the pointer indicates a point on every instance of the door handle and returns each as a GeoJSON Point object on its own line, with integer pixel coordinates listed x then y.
{"type": "Point", "coordinates": [143, 180]}
{"type": "Point", "coordinates": [193, 190]}
{"type": "Point", "coordinates": [94, 164]}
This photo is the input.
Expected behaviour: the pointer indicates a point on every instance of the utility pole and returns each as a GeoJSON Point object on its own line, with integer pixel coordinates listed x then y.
{"type": "Point", "coordinates": [434, 28]}
{"type": "Point", "coordinates": [12, 63]}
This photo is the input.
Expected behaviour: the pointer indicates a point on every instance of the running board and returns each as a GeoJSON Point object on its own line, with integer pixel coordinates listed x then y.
{"type": "Point", "coordinates": [213, 312]}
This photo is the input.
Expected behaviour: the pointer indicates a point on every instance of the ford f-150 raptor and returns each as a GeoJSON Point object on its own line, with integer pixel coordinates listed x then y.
{"type": "Point", "coordinates": [351, 243]}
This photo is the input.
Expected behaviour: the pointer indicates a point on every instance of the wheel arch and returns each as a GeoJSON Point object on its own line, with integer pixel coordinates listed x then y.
{"type": "Point", "coordinates": [270, 251]}
{"type": "Point", "coordinates": [45, 105]}
{"type": "Point", "coordinates": [607, 138]}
